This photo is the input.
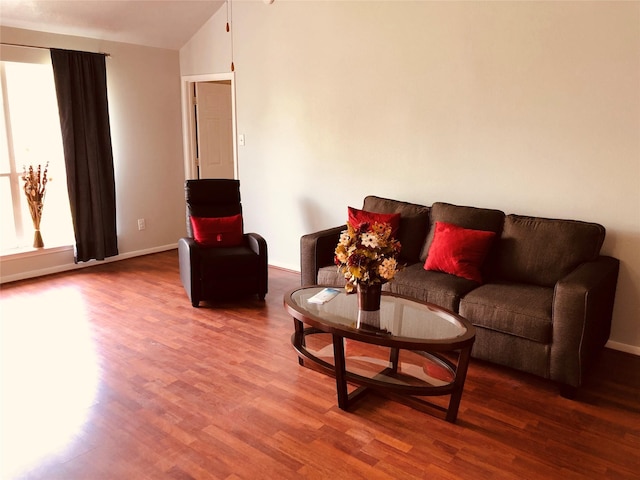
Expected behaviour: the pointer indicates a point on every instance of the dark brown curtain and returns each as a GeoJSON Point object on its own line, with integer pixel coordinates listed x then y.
{"type": "Point", "coordinates": [81, 88]}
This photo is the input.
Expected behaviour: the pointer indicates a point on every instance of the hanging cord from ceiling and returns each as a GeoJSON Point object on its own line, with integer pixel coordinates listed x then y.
{"type": "Point", "coordinates": [230, 29]}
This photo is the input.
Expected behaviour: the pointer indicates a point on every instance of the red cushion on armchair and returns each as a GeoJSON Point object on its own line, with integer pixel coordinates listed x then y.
{"type": "Point", "coordinates": [218, 231]}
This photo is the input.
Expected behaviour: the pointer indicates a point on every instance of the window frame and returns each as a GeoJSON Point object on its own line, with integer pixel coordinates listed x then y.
{"type": "Point", "coordinates": [31, 55]}
{"type": "Point", "coordinates": [13, 175]}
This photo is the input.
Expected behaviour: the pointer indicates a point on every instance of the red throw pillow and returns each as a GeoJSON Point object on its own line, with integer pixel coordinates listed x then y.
{"type": "Point", "coordinates": [218, 231]}
{"type": "Point", "coordinates": [358, 217]}
{"type": "Point", "coordinates": [458, 251]}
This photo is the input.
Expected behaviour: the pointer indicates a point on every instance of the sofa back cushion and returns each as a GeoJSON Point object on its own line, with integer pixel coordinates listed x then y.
{"type": "Point", "coordinates": [541, 251]}
{"type": "Point", "coordinates": [466, 217]}
{"type": "Point", "coordinates": [414, 223]}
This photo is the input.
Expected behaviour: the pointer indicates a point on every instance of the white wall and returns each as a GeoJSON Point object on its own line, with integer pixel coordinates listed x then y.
{"type": "Point", "coordinates": [145, 114]}
{"type": "Point", "coordinates": [528, 107]}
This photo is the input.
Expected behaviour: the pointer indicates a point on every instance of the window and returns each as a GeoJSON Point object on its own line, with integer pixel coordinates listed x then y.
{"type": "Point", "coordinates": [30, 135]}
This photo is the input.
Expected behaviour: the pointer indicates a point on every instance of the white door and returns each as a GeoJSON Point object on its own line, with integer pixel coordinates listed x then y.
{"type": "Point", "coordinates": [214, 130]}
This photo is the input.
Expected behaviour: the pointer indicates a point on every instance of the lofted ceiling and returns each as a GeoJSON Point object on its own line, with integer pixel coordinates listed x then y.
{"type": "Point", "coordinates": [153, 23]}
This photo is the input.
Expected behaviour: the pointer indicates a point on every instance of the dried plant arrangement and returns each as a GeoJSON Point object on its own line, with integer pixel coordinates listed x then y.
{"type": "Point", "coordinates": [35, 186]}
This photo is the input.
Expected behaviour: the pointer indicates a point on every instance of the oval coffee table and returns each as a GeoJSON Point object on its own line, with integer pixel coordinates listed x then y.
{"type": "Point", "coordinates": [410, 348]}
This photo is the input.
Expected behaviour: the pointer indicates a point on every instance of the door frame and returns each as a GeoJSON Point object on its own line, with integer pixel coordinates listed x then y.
{"type": "Point", "coordinates": [188, 123]}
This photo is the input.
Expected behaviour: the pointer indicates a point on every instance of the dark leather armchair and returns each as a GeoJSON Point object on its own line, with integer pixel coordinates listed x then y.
{"type": "Point", "coordinates": [215, 272]}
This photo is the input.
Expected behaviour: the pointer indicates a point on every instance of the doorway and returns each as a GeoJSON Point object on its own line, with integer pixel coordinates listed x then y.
{"type": "Point", "coordinates": [209, 126]}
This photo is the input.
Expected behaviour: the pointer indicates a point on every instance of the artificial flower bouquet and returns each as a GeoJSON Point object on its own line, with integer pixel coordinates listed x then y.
{"type": "Point", "coordinates": [367, 255]}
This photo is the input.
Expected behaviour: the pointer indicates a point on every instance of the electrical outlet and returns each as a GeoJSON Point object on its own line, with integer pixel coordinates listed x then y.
{"type": "Point", "coordinates": [141, 224]}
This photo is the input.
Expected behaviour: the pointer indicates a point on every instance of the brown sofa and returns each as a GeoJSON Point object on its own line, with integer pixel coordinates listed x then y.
{"type": "Point", "coordinates": [546, 299]}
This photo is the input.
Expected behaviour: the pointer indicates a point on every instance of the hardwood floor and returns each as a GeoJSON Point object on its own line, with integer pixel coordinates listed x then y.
{"type": "Point", "coordinates": [109, 373]}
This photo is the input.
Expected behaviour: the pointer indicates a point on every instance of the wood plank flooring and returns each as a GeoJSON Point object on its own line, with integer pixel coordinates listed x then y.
{"type": "Point", "coordinates": [109, 373]}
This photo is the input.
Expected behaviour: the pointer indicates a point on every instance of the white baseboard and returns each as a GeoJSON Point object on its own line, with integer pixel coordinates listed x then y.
{"type": "Point", "coordinates": [285, 266]}
{"type": "Point", "coordinates": [92, 263]}
{"type": "Point", "coordinates": [623, 347]}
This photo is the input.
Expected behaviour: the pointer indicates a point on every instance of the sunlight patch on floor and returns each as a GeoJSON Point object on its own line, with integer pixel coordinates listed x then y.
{"type": "Point", "coordinates": [49, 375]}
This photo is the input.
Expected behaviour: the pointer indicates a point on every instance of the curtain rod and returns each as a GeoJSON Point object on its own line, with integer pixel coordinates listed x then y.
{"type": "Point", "coordinates": [43, 48]}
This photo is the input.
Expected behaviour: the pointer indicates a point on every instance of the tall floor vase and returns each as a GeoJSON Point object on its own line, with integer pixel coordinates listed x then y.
{"type": "Point", "coordinates": [35, 208]}
{"type": "Point", "coordinates": [37, 240]}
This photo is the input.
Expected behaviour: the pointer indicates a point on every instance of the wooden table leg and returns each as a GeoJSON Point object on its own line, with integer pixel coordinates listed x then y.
{"type": "Point", "coordinates": [341, 376]}
{"type": "Point", "coordinates": [394, 356]}
{"type": "Point", "coordinates": [299, 337]}
{"type": "Point", "coordinates": [461, 375]}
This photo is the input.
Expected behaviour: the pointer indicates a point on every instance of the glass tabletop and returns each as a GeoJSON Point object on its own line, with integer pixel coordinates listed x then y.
{"type": "Point", "coordinates": [398, 316]}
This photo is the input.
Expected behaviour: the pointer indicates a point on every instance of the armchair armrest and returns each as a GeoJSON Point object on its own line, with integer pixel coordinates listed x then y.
{"type": "Point", "coordinates": [317, 250]}
{"type": "Point", "coordinates": [582, 309]}
{"type": "Point", "coordinates": [188, 259]}
{"type": "Point", "coordinates": [258, 244]}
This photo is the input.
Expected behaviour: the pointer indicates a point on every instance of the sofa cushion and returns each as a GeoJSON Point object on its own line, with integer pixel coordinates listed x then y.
{"type": "Point", "coordinates": [414, 223]}
{"type": "Point", "coordinates": [434, 287]}
{"type": "Point", "coordinates": [235, 261]}
{"type": "Point", "coordinates": [330, 275]}
{"type": "Point", "coordinates": [358, 217]}
{"type": "Point", "coordinates": [511, 351]}
{"type": "Point", "coordinates": [459, 251]}
{"type": "Point", "coordinates": [515, 309]}
{"type": "Point", "coordinates": [541, 251]}
{"type": "Point", "coordinates": [467, 217]}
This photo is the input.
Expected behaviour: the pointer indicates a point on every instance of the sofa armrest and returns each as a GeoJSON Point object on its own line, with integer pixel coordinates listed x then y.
{"type": "Point", "coordinates": [582, 309]}
{"type": "Point", "coordinates": [317, 250]}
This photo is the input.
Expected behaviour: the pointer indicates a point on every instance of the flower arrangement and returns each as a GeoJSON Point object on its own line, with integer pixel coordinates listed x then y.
{"type": "Point", "coordinates": [367, 255]}
{"type": "Point", "coordinates": [35, 186]}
